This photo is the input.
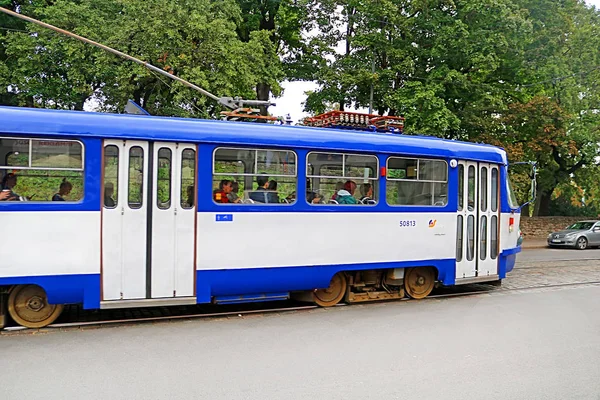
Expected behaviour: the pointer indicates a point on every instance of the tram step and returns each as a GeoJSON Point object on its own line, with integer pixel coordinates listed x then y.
{"type": "Point", "coordinates": [252, 298]}
{"type": "Point", "coordinates": [476, 279]}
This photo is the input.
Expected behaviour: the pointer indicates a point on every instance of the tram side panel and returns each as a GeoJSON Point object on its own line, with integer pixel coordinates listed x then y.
{"type": "Point", "coordinates": [259, 252]}
{"type": "Point", "coordinates": [56, 245]}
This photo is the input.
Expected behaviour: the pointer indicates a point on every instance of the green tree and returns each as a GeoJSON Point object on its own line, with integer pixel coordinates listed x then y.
{"type": "Point", "coordinates": [194, 39]}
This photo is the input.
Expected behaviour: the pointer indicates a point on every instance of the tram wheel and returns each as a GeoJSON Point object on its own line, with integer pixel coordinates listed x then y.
{"type": "Point", "coordinates": [419, 282]}
{"type": "Point", "coordinates": [28, 306]}
{"type": "Point", "coordinates": [334, 293]}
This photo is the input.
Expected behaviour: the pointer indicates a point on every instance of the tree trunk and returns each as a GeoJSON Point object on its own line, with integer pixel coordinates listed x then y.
{"type": "Point", "coordinates": [542, 203]}
{"type": "Point", "coordinates": [262, 92]}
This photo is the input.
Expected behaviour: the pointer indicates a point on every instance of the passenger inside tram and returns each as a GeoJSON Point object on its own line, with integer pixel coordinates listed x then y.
{"type": "Point", "coordinates": [9, 181]}
{"type": "Point", "coordinates": [109, 190]}
{"type": "Point", "coordinates": [367, 193]}
{"type": "Point", "coordinates": [263, 193]}
{"type": "Point", "coordinates": [64, 190]}
{"type": "Point", "coordinates": [314, 198]}
{"type": "Point", "coordinates": [233, 196]}
{"type": "Point", "coordinates": [221, 195]}
{"type": "Point", "coordinates": [338, 186]}
{"type": "Point", "coordinates": [346, 195]}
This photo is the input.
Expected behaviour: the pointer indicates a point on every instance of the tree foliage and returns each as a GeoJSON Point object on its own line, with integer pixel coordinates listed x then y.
{"type": "Point", "coordinates": [194, 39]}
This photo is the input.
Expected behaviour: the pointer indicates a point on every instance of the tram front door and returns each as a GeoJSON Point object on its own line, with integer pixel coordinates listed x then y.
{"type": "Point", "coordinates": [148, 223]}
{"type": "Point", "coordinates": [477, 221]}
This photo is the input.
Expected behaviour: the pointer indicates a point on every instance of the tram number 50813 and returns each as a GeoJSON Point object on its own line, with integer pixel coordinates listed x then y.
{"type": "Point", "coordinates": [406, 224]}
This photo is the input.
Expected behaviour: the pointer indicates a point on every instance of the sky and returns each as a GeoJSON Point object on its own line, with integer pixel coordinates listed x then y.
{"type": "Point", "coordinates": [293, 95]}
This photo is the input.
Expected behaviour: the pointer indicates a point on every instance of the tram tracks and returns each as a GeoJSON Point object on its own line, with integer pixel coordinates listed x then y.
{"type": "Point", "coordinates": [467, 290]}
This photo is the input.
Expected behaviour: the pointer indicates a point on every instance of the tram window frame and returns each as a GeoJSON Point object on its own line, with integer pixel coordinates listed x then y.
{"type": "Point", "coordinates": [443, 185]}
{"type": "Point", "coordinates": [164, 185]}
{"type": "Point", "coordinates": [115, 196]}
{"type": "Point", "coordinates": [134, 205]}
{"type": "Point", "coordinates": [372, 180]}
{"type": "Point", "coordinates": [74, 174]}
{"type": "Point", "coordinates": [252, 172]}
{"type": "Point", "coordinates": [184, 188]}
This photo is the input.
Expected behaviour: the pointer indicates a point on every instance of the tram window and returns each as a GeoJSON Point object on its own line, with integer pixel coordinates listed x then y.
{"type": "Point", "coordinates": [44, 154]}
{"type": "Point", "coordinates": [494, 237]}
{"type": "Point", "coordinates": [459, 238]}
{"type": "Point", "coordinates": [412, 181]}
{"type": "Point", "coordinates": [471, 188]}
{"type": "Point", "coordinates": [188, 178]}
{"type": "Point", "coordinates": [470, 238]}
{"type": "Point", "coordinates": [163, 181]}
{"type": "Point", "coordinates": [135, 188]}
{"type": "Point", "coordinates": [111, 176]}
{"type": "Point", "coordinates": [494, 189]}
{"type": "Point", "coordinates": [461, 186]}
{"type": "Point", "coordinates": [42, 170]}
{"type": "Point", "coordinates": [254, 176]}
{"type": "Point", "coordinates": [483, 181]}
{"type": "Point", "coordinates": [337, 178]}
{"type": "Point", "coordinates": [483, 238]}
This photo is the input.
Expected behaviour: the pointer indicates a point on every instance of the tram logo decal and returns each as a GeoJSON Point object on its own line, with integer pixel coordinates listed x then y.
{"type": "Point", "coordinates": [432, 223]}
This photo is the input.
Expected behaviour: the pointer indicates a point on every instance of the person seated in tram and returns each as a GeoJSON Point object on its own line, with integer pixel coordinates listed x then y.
{"type": "Point", "coordinates": [314, 198]}
{"type": "Point", "coordinates": [9, 181]}
{"type": "Point", "coordinates": [64, 190]}
{"type": "Point", "coordinates": [346, 195]}
{"type": "Point", "coordinates": [272, 196]}
{"type": "Point", "coordinates": [338, 186]}
{"type": "Point", "coordinates": [367, 193]}
{"type": "Point", "coordinates": [220, 194]}
{"type": "Point", "coordinates": [262, 193]}
{"type": "Point", "coordinates": [233, 196]}
{"type": "Point", "coordinates": [109, 190]}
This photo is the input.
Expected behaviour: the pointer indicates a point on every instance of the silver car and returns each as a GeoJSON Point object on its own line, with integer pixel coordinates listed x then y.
{"type": "Point", "coordinates": [581, 235]}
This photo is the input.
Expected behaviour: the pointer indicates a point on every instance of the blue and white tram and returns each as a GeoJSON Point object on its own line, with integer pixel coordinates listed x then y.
{"type": "Point", "coordinates": [115, 211]}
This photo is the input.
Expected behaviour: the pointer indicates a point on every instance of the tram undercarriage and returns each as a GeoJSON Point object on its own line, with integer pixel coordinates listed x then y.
{"type": "Point", "coordinates": [373, 285]}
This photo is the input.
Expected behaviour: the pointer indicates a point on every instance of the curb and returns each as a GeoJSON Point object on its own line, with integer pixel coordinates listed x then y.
{"type": "Point", "coordinates": [534, 243]}
{"type": "Point", "coordinates": [534, 246]}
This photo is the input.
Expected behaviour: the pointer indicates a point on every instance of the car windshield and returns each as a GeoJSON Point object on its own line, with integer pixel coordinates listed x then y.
{"type": "Point", "coordinates": [581, 225]}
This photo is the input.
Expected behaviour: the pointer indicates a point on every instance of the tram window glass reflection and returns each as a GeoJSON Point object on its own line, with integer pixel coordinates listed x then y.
{"type": "Point", "coordinates": [338, 178]}
{"type": "Point", "coordinates": [494, 189]}
{"type": "Point", "coordinates": [483, 238]}
{"type": "Point", "coordinates": [483, 181]}
{"type": "Point", "coordinates": [254, 176]}
{"type": "Point", "coordinates": [41, 170]}
{"type": "Point", "coordinates": [471, 188]}
{"type": "Point", "coordinates": [494, 237]}
{"type": "Point", "coordinates": [416, 181]}
{"type": "Point", "coordinates": [459, 238]}
{"type": "Point", "coordinates": [111, 176]}
{"type": "Point", "coordinates": [188, 178]}
{"type": "Point", "coordinates": [135, 189]}
{"type": "Point", "coordinates": [163, 179]}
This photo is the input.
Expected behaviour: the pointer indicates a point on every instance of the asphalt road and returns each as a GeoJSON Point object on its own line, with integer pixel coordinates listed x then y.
{"type": "Point", "coordinates": [547, 254]}
{"type": "Point", "coordinates": [542, 344]}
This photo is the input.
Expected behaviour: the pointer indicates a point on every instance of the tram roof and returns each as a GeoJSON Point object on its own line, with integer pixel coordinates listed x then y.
{"type": "Point", "coordinates": [72, 124]}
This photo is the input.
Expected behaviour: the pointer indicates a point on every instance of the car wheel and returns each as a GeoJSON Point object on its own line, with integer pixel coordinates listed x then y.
{"type": "Point", "coordinates": [582, 243]}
